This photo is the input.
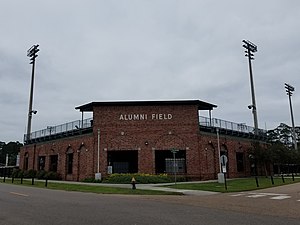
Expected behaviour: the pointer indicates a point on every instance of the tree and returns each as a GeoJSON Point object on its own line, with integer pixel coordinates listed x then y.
{"type": "Point", "coordinates": [282, 149]}
{"type": "Point", "coordinates": [283, 134]}
{"type": "Point", "coordinates": [1, 147]}
{"type": "Point", "coordinates": [260, 156]}
{"type": "Point", "coordinates": [12, 149]}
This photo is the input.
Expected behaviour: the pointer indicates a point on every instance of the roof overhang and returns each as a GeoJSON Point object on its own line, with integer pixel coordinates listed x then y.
{"type": "Point", "coordinates": [201, 105]}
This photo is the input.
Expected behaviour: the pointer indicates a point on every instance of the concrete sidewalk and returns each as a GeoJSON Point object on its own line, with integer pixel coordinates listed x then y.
{"type": "Point", "coordinates": [158, 187]}
{"type": "Point", "coordinates": [183, 191]}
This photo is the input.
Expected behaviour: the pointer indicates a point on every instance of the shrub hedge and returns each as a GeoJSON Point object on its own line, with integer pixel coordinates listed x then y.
{"type": "Point", "coordinates": [141, 178]}
{"type": "Point", "coordinates": [115, 178]}
{"type": "Point", "coordinates": [42, 175]}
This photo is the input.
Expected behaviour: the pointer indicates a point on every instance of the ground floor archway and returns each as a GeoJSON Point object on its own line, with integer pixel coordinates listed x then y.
{"type": "Point", "coordinates": [124, 161]}
{"type": "Point", "coordinates": [164, 162]}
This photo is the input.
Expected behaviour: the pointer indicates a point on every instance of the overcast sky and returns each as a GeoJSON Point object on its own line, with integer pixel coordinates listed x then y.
{"type": "Point", "coordinates": [97, 50]}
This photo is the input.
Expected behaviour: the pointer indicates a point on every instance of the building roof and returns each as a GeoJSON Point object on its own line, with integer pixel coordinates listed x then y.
{"type": "Point", "coordinates": [201, 105]}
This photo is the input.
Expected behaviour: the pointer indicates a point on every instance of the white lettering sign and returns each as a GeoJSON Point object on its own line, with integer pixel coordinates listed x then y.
{"type": "Point", "coordinates": [153, 116]}
{"type": "Point", "coordinates": [133, 117]}
{"type": "Point", "coordinates": [161, 116]}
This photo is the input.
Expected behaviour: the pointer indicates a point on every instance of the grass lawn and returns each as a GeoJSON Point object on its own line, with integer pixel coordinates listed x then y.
{"type": "Point", "coordinates": [89, 188]}
{"type": "Point", "coordinates": [233, 185]}
{"type": "Point", "coordinates": [236, 185]}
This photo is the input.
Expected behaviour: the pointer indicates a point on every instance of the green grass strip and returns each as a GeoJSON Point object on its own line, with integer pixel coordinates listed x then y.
{"type": "Point", "coordinates": [89, 188]}
{"type": "Point", "coordinates": [236, 185]}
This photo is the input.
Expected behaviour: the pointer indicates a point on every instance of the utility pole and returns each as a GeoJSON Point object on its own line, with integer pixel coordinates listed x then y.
{"type": "Point", "coordinates": [289, 91]}
{"type": "Point", "coordinates": [32, 54]}
{"type": "Point", "coordinates": [174, 151]}
{"type": "Point", "coordinates": [250, 49]}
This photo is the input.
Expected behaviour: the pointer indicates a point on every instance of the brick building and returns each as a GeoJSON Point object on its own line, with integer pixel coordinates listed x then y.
{"type": "Point", "coordinates": [138, 137]}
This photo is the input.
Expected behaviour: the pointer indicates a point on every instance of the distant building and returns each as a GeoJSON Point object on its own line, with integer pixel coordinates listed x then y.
{"type": "Point", "coordinates": [137, 137]}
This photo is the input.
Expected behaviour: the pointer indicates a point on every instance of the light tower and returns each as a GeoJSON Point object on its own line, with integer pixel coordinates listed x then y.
{"type": "Point", "coordinates": [32, 54]}
{"type": "Point", "coordinates": [289, 91]}
{"type": "Point", "coordinates": [250, 49]}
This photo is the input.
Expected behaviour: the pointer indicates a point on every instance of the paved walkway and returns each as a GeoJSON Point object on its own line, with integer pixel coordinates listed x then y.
{"type": "Point", "coordinates": [161, 187]}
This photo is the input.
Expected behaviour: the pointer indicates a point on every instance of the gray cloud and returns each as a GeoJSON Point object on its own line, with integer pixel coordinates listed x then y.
{"type": "Point", "coordinates": [146, 50]}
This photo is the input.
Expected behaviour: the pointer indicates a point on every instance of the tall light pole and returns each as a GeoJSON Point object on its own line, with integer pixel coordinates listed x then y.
{"type": "Point", "coordinates": [32, 54]}
{"type": "Point", "coordinates": [250, 49]}
{"type": "Point", "coordinates": [289, 91]}
{"type": "Point", "coordinates": [98, 174]}
{"type": "Point", "coordinates": [219, 149]}
{"type": "Point", "coordinates": [221, 177]}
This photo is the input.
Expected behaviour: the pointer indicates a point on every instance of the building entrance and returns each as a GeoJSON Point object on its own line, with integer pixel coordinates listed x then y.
{"type": "Point", "coordinates": [125, 161]}
{"type": "Point", "coordinates": [164, 162]}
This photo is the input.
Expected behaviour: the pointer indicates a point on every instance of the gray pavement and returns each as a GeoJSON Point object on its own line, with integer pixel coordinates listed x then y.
{"type": "Point", "coordinates": [35, 206]}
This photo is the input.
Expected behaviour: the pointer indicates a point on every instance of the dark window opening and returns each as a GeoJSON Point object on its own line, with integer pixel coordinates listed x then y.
{"type": "Point", "coordinates": [240, 161]}
{"type": "Point", "coordinates": [164, 162]}
{"type": "Point", "coordinates": [69, 163]}
{"type": "Point", "coordinates": [42, 160]}
{"type": "Point", "coordinates": [123, 161]}
{"type": "Point", "coordinates": [223, 150]}
{"type": "Point", "coordinates": [53, 163]}
{"type": "Point", "coordinates": [26, 161]}
{"type": "Point", "coordinates": [175, 166]}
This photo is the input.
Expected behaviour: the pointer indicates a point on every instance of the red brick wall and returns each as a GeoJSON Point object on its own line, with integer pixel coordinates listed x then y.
{"type": "Point", "coordinates": [149, 135]}
{"type": "Point", "coordinates": [209, 149]}
{"type": "Point", "coordinates": [82, 147]}
{"type": "Point", "coordinates": [144, 136]}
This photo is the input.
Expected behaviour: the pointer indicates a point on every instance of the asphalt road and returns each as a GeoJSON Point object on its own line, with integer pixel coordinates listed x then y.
{"type": "Point", "coordinates": [20, 205]}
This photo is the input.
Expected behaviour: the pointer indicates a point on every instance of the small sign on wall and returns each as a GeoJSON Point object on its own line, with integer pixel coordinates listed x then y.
{"type": "Point", "coordinates": [224, 169]}
{"type": "Point", "coordinates": [109, 170]}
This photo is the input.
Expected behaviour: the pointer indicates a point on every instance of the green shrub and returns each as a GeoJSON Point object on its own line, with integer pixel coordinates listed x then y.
{"type": "Point", "coordinates": [141, 178]}
{"type": "Point", "coordinates": [29, 174]}
{"type": "Point", "coordinates": [17, 173]}
{"type": "Point", "coordinates": [41, 174]}
{"type": "Point", "coordinates": [91, 180]}
{"type": "Point", "coordinates": [51, 175]}
{"type": "Point", "coordinates": [118, 178]}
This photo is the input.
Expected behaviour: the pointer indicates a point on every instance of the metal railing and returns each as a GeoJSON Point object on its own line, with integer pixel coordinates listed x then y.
{"type": "Point", "coordinates": [76, 126]}
{"type": "Point", "coordinates": [66, 128]}
{"type": "Point", "coordinates": [230, 126]}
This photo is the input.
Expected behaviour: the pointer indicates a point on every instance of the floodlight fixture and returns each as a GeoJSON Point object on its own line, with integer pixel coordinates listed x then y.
{"type": "Point", "coordinates": [32, 53]}
{"type": "Point", "coordinates": [289, 89]}
{"type": "Point", "coordinates": [249, 45]}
